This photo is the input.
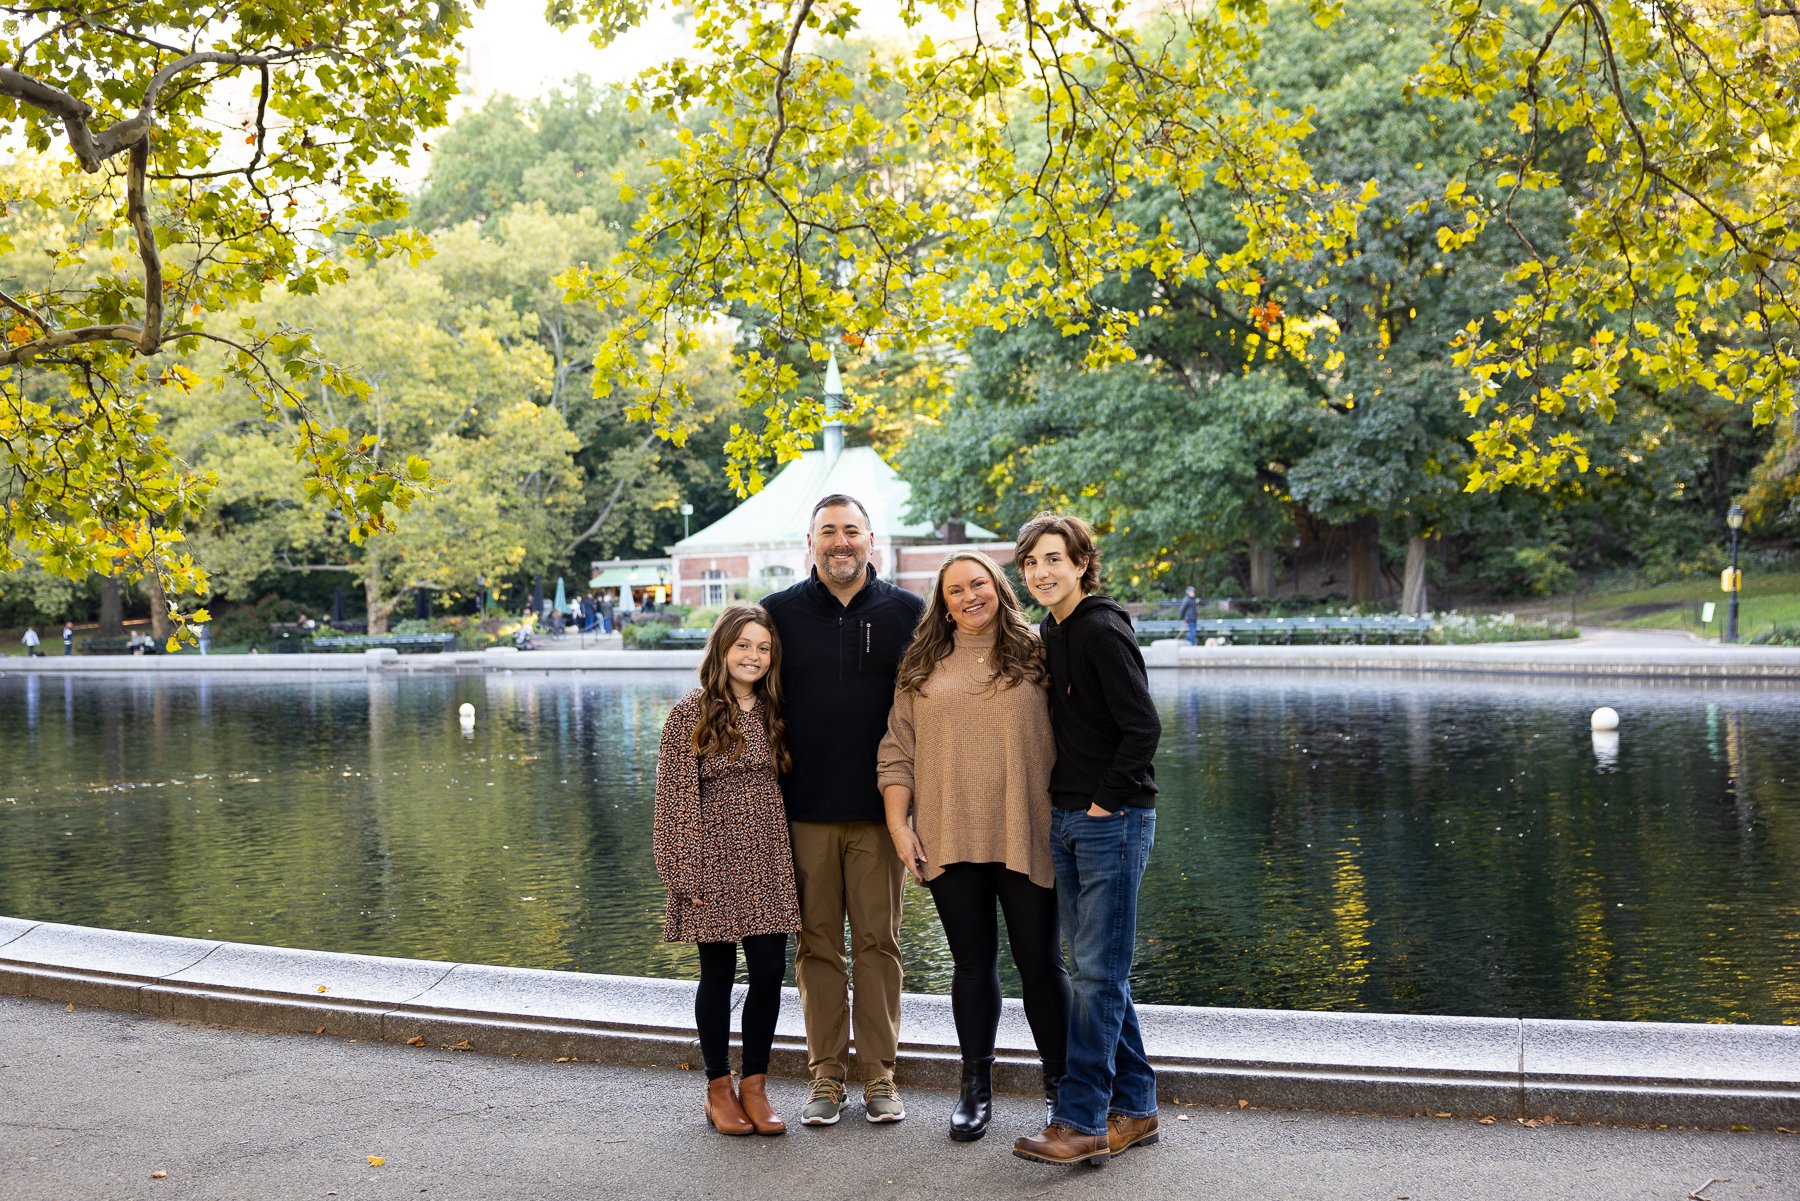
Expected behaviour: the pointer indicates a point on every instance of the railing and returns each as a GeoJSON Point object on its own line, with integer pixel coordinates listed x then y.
{"type": "Point", "coordinates": [1287, 630]}
{"type": "Point", "coordinates": [411, 643]}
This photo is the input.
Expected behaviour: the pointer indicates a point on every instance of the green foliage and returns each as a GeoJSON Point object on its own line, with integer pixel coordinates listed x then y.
{"type": "Point", "coordinates": [1682, 267]}
{"type": "Point", "coordinates": [1777, 635]}
{"type": "Point", "coordinates": [996, 191]}
{"type": "Point", "coordinates": [646, 635]}
{"type": "Point", "coordinates": [162, 184]}
{"type": "Point", "coordinates": [1453, 629]}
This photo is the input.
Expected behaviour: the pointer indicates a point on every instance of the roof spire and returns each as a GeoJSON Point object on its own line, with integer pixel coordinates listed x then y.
{"type": "Point", "coordinates": [834, 409]}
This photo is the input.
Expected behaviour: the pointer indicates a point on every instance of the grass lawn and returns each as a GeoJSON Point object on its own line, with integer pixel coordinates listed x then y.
{"type": "Point", "coordinates": [1768, 598]}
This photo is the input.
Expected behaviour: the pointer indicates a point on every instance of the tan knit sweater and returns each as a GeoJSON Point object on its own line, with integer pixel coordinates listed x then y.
{"type": "Point", "coordinates": [977, 757]}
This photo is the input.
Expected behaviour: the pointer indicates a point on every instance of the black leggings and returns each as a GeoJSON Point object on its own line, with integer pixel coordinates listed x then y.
{"type": "Point", "coordinates": [765, 963]}
{"type": "Point", "coordinates": [965, 895]}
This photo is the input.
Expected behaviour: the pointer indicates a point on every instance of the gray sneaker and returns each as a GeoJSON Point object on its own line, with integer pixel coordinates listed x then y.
{"type": "Point", "coordinates": [881, 1100]}
{"type": "Point", "coordinates": [824, 1103]}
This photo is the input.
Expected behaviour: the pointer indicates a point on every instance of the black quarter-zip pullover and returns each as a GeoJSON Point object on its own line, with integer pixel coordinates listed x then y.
{"type": "Point", "coordinates": [1105, 723]}
{"type": "Point", "coordinates": [838, 664]}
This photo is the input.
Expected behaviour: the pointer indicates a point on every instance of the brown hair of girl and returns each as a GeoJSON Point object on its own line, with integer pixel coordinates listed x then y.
{"type": "Point", "coordinates": [717, 731]}
{"type": "Point", "coordinates": [1018, 655]}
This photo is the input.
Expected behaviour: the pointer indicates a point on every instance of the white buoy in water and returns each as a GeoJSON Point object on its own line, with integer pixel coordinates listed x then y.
{"type": "Point", "coordinates": [466, 711]}
{"type": "Point", "coordinates": [1605, 718]}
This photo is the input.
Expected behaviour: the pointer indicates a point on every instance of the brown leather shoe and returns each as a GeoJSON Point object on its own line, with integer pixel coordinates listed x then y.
{"type": "Point", "coordinates": [754, 1097]}
{"type": "Point", "coordinates": [723, 1110]}
{"type": "Point", "coordinates": [1059, 1144]}
{"type": "Point", "coordinates": [1123, 1133]}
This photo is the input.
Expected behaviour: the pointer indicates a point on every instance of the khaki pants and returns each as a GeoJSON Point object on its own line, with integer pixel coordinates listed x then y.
{"type": "Point", "coordinates": [848, 869]}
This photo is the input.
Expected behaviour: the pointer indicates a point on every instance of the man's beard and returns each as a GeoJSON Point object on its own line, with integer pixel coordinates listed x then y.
{"type": "Point", "coordinates": [851, 569]}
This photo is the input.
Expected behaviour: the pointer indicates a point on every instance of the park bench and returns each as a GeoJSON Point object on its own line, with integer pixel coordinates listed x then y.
{"type": "Point", "coordinates": [104, 646]}
{"type": "Point", "coordinates": [1289, 630]}
{"type": "Point", "coordinates": [405, 643]}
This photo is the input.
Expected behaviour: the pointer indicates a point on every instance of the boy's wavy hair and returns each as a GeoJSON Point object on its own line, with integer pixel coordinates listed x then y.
{"type": "Point", "coordinates": [717, 731]}
{"type": "Point", "coordinates": [1018, 655]}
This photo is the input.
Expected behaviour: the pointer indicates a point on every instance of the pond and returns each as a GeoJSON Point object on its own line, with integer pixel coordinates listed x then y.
{"type": "Point", "coordinates": [1387, 844]}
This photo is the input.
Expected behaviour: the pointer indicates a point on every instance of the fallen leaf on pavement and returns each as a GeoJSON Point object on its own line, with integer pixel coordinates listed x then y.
{"type": "Point", "coordinates": [1440, 1115]}
{"type": "Point", "coordinates": [71, 1008]}
{"type": "Point", "coordinates": [1181, 1117]}
{"type": "Point", "coordinates": [158, 1174]}
{"type": "Point", "coordinates": [322, 988]}
{"type": "Point", "coordinates": [375, 1161]}
{"type": "Point", "coordinates": [1243, 1104]}
{"type": "Point", "coordinates": [415, 1041]}
{"type": "Point", "coordinates": [461, 1046]}
{"type": "Point", "coordinates": [1484, 1121]}
{"type": "Point", "coordinates": [320, 1030]}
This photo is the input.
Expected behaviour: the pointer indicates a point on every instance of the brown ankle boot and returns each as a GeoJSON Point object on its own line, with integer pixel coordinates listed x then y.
{"type": "Point", "coordinates": [754, 1097]}
{"type": "Point", "coordinates": [723, 1110]}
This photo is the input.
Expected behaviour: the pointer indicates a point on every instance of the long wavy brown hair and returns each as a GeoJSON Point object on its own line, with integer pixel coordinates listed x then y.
{"type": "Point", "coordinates": [1018, 655]}
{"type": "Point", "coordinates": [717, 732]}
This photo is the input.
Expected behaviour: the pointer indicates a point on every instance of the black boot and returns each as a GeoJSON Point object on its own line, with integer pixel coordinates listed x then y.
{"type": "Point", "coordinates": [976, 1105]}
{"type": "Point", "coordinates": [1052, 1082]}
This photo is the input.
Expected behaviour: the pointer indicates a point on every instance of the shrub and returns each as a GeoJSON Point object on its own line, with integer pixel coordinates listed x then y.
{"type": "Point", "coordinates": [647, 635]}
{"type": "Point", "coordinates": [1777, 635]}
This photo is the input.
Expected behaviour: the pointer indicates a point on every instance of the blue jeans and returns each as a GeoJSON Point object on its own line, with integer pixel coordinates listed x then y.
{"type": "Point", "coordinates": [1099, 862]}
{"type": "Point", "coordinates": [1193, 631]}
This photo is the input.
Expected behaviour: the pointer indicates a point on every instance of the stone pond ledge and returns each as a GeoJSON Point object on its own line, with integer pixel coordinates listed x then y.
{"type": "Point", "coordinates": [1693, 1075]}
{"type": "Point", "coordinates": [1664, 662]}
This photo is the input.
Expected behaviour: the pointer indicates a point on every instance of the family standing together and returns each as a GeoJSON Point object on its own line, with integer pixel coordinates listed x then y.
{"type": "Point", "coordinates": [845, 734]}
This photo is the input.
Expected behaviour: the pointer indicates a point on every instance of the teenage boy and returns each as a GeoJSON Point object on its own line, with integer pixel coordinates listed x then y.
{"type": "Point", "coordinates": [1101, 829]}
{"type": "Point", "coordinates": [842, 634]}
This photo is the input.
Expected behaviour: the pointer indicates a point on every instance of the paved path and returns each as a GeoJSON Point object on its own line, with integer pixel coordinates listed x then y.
{"type": "Point", "coordinates": [96, 1101]}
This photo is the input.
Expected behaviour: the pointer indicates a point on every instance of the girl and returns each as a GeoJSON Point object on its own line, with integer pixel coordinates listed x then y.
{"type": "Point", "coordinates": [721, 844]}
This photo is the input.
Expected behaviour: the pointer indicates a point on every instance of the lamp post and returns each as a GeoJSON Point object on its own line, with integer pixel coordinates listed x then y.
{"type": "Point", "coordinates": [687, 511]}
{"type": "Point", "coordinates": [1734, 518]}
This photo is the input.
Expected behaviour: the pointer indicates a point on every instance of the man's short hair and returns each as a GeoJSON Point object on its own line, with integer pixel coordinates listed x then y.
{"type": "Point", "coordinates": [1077, 536]}
{"type": "Point", "coordinates": [832, 501]}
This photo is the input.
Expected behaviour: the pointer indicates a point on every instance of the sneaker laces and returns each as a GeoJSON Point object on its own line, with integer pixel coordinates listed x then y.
{"type": "Point", "coordinates": [881, 1086]}
{"type": "Point", "coordinates": [824, 1087]}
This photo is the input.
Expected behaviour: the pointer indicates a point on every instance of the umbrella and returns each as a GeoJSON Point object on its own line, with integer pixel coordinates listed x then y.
{"type": "Point", "coordinates": [562, 597]}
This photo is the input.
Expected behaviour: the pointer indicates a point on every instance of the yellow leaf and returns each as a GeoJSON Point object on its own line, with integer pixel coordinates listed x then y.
{"type": "Point", "coordinates": [321, 988]}
{"type": "Point", "coordinates": [376, 1161]}
{"type": "Point", "coordinates": [415, 1041]}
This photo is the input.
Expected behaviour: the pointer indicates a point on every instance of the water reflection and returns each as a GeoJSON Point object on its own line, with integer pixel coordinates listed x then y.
{"type": "Point", "coordinates": [1396, 845]}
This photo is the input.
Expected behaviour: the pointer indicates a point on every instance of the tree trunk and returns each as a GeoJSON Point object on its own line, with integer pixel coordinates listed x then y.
{"type": "Point", "coordinates": [1262, 568]}
{"type": "Point", "coordinates": [1365, 561]}
{"type": "Point", "coordinates": [112, 609]}
{"type": "Point", "coordinates": [160, 625]}
{"type": "Point", "coordinates": [380, 607]}
{"type": "Point", "coordinates": [1412, 591]}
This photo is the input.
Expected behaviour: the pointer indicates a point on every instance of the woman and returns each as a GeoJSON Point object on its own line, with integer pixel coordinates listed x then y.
{"type": "Point", "coordinates": [721, 844]}
{"type": "Point", "coordinates": [965, 775]}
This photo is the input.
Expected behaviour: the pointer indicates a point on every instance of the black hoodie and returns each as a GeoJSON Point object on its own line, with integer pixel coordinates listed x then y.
{"type": "Point", "coordinates": [838, 664]}
{"type": "Point", "coordinates": [1106, 725]}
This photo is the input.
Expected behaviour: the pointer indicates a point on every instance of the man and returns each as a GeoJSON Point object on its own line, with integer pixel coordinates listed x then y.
{"type": "Point", "coordinates": [1190, 616]}
{"type": "Point", "coordinates": [842, 634]}
{"type": "Point", "coordinates": [1103, 824]}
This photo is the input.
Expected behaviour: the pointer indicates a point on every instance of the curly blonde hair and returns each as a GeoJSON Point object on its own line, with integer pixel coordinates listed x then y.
{"type": "Point", "coordinates": [1018, 655]}
{"type": "Point", "coordinates": [717, 733]}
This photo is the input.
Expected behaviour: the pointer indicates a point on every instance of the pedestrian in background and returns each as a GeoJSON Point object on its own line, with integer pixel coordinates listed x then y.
{"type": "Point", "coordinates": [1190, 616]}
